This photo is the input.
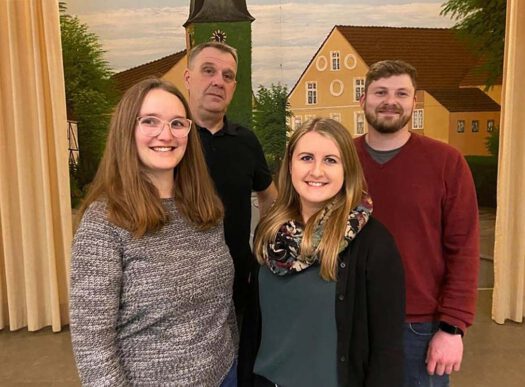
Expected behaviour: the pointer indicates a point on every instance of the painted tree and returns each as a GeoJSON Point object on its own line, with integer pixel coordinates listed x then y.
{"type": "Point", "coordinates": [269, 122]}
{"type": "Point", "coordinates": [482, 23]}
{"type": "Point", "coordinates": [90, 93]}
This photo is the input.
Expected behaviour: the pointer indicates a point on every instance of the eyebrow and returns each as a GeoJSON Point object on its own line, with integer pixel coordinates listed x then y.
{"type": "Point", "coordinates": [158, 116]}
{"type": "Point", "coordinates": [211, 64]}
{"type": "Point", "coordinates": [387, 88]}
{"type": "Point", "coordinates": [311, 154]}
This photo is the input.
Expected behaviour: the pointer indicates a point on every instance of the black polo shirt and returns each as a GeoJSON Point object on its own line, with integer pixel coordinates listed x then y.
{"type": "Point", "coordinates": [237, 166]}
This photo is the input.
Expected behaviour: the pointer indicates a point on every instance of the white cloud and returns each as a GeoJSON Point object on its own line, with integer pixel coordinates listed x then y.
{"type": "Point", "coordinates": [285, 36]}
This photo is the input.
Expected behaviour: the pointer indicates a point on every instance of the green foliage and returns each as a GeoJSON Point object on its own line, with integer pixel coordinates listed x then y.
{"type": "Point", "coordinates": [90, 94]}
{"type": "Point", "coordinates": [269, 122]}
{"type": "Point", "coordinates": [482, 23]}
{"type": "Point", "coordinates": [485, 173]}
{"type": "Point", "coordinates": [492, 143]}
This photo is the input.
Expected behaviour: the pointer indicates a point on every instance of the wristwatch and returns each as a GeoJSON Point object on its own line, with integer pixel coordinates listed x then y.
{"type": "Point", "coordinates": [453, 330]}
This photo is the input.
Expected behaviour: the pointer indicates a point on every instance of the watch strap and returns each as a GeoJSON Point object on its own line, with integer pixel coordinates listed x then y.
{"type": "Point", "coordinates": [453, 330]}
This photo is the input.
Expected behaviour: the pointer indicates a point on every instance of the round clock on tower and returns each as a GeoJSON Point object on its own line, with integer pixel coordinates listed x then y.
{"type": "Point", "coordinates": [219, 36]}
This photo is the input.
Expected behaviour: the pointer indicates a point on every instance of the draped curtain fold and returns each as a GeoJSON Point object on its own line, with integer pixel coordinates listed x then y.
{"type": "Point", "coordinates": [509, 250]}
{"type": "Point", "coordinates": [35, 209]}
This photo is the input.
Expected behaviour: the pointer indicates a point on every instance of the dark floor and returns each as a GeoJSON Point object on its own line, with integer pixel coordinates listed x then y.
{"type": "Point", "coordinates": [494, 354]}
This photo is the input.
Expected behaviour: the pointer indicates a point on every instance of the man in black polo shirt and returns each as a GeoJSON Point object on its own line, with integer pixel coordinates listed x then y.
{"type": "Point", "coordinates": [234, 155]}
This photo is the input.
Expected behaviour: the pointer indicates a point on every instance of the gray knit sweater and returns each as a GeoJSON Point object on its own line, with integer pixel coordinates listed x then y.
{"type": "Point", "coordinates": [151, 311]}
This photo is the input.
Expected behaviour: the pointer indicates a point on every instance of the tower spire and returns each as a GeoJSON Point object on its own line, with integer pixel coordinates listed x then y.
{"type": "Point", "coordinates": [208, 11]}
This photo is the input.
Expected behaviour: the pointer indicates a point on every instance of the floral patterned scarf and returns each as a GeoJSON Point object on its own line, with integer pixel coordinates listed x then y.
{"type": "Point", "coordinates": [283, 256]}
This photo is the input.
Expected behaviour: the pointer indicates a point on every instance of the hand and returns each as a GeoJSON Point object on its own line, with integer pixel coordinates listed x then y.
{"type": "Point", "coordinates": [444, 353]}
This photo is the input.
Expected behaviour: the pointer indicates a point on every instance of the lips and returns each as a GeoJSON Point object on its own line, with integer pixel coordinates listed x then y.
{"type": "Point", "coordinates": [216, 94]}
{"type": "Point", "coordinates": [162, 149]}
{"type": "Point", "coordinates": [315, 183]}
{"type": "Point", "coordinates": [390, 110]}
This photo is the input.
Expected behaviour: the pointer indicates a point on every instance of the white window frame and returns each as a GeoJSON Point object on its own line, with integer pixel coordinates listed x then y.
{"type": "Point", "coordinates": [297, 121]}
{"type": "Point", "coordinates": [460, 126]}
{"type": "Point", "coordinates": [359, 123]}
{"type": "Point", "coordinates": [335, 60]}
{"type": "Point", "coordinates": [335, 116]}
{"type": "Point", "coordinates": [418, 119]}
{"type": "Point", "coordinates": [491, 124]}
{"type": "Point", "coordinates": [474, 126]}
{"type": "Point", "coordinates": [359, 88]}
{"type": "Point", "coordinates": [311, 93]}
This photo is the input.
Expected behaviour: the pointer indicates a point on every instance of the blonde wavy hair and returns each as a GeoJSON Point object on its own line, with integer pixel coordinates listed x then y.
{"type": "Point", "coordinates": [288, 205]}
{"type": "Point", "coordinates": [133, 201]}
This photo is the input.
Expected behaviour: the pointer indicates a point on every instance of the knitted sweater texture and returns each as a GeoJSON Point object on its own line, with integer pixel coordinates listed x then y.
{"type": "Point", "coordinates": [426, 198]}
{"type": "Point", "coordinates": [155, 310]}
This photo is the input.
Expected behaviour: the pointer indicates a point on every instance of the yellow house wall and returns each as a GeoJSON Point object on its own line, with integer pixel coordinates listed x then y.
{"type": "Point", "coordinates": [328, 103]}
{"type": "Point", "coordinates": [494, 92]}
{"type": "Point", "coordinates": [436, 123]}
{"type": "Point", "coordinates": [439, 123]}
{"type": "Point", "coordinates": [468, 142]}
{"type": "Point", "coordinates": [175, 75]}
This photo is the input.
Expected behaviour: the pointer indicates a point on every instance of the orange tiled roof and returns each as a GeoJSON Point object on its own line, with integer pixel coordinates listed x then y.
{"type": "Point", "coordinates": [464, 100]}
{"type": "Point", "coordinates": [442, 60]}
{"type": "Point", "coordinates": [477, 76]}
{"type": "Point", "coordinates": [157, 68]}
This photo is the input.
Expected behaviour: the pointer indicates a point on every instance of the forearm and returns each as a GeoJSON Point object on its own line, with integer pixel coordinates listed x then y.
{"type": "Point", "coordinates": [94, 303]}
{"type": "Point", "coordinates": [460, 250]}
{"type": "Point", "coordinates": [266, 198]}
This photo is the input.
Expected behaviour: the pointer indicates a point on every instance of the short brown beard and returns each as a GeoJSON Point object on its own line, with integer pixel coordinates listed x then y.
{"type": "Point", "coordinates": [386, 127]}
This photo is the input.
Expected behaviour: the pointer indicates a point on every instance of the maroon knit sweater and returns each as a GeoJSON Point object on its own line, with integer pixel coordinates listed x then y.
{"type": "Point", "coordinates": [425, 196]}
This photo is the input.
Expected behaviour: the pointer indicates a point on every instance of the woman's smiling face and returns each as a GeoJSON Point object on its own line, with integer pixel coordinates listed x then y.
{"type": "Point", "coordinates": [317, 171]}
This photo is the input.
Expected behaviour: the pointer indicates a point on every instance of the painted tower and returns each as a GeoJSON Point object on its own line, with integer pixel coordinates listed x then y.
{"type": "Point", "coordinates": [230, 22]}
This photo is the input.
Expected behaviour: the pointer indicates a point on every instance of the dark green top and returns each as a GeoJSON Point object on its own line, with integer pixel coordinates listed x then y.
{"type": "Point", "coordinates": [299, 338]}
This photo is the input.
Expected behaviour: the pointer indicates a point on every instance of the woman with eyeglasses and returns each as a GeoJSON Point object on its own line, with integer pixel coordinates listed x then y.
{"type": "Point", "coordinates": [327, 306]}
{"type": "Point", "coordinates": [151, 276]}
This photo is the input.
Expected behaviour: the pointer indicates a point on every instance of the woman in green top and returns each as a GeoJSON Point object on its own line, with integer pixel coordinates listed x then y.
{"type": "Point", "coordinates": [327, 305]}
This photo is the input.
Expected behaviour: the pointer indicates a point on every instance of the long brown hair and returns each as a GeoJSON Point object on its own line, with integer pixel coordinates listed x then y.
{"type": "Point", "coordinates": [133, 201]}
{"type": "Point", "coordinates": [288, 205]}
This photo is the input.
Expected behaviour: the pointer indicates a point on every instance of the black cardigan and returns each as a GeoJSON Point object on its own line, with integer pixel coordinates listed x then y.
{"type": "Point", "coordinates": [369, 313]}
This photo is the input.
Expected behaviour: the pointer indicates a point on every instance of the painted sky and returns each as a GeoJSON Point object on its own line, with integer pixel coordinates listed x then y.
{"type": "Point", "coordinates": [285, 34]}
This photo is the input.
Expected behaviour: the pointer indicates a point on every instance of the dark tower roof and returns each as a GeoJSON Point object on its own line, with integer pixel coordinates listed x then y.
{"type": "Point", "coordinates": [209, 11]}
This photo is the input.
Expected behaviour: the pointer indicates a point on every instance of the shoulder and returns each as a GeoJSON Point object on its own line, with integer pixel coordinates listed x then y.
{"type": "Point", "coordinates": [373, 230]}
{"type": "Point", "coordinates": [359, 140]}
{"type": "Point", "coordinates": [435, 147]}
{"type": "Point", "coordinates": [438, 155]}
{"type": "Point", "coordinates": [242, 132]}
{"type": "Point", "coordinates": [96, 212]}
{"type": "Point", "coordinates": [373, 240]}
{"type": "Point", "coordinates": [95, 221]}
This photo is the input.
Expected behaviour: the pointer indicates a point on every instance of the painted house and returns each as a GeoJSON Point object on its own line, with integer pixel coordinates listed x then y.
{"type": "Point", "coordinates": [452, 105]}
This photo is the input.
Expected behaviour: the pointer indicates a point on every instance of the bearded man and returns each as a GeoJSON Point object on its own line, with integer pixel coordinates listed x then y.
{"type": "Point", "coordinates": [424, 193]}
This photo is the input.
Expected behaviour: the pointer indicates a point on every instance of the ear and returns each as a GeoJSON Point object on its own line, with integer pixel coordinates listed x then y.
{"type": "Point", "coordinates": [187, 79]}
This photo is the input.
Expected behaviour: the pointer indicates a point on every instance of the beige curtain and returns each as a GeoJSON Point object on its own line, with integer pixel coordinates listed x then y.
{"type": "Point", "coordinates": [35, 211]}
{"type": "Point", "coordinates": [509, 250]}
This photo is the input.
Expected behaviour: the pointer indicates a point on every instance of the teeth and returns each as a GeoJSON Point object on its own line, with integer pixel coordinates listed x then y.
{"type": "Point", "coordinates": [315, 184]}
{"type": "Point", "coordinates": [162, 148]}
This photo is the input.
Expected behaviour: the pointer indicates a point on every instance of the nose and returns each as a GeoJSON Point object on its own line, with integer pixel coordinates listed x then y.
{"type": "Point", "coordinates": [165, 133]}
{"type": "Point", "coordinates": [217, 80]}
{"type": "Point", "coordinates": [317, 169]}
{"type": "Point", "coordinates": [390, 99]}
